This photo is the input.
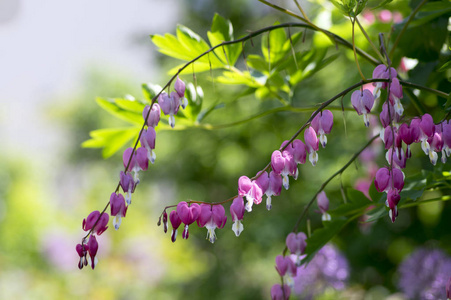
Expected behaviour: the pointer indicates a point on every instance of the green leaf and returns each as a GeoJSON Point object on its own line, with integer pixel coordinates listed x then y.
{"type": "Point", "coordinates": [195, 98]}
{"type": "Point", "coordinates": [229, 77]}
{"type": "Point", "coordinates": [187, 46]}
{"type": "Point", "coordinates": [111, 139]}
{"type": "Point", "coordinates": [383, 3]}
{"type": "Point", "coordinates": [258, 63]}
{"type": "Point", "coordinates": [445, 66]}
{"type": "Point", "coordinates": [357, 202]}
{"type": "Point", "coordinates": [377, 213]}
{"type": "Point", "coordinates": [418, 42]}
{"type": "Point", "coordinates": [273, 46]}
{"type": "Point", "coordinates": [321, 236]}
{"type": "Point", "coordinates": [130, 105]}
{"type": "Point", "coordinates": [120, 113]}
{"type": "Point", "coordinates": [222, 31]}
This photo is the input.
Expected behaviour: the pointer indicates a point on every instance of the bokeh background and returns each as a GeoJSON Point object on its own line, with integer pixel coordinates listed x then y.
{"type": "Point", "coordinates": [56, 57]}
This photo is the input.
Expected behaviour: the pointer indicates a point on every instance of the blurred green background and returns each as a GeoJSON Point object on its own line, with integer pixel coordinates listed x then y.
{"type": "Point", "coordinates": [48, 183]}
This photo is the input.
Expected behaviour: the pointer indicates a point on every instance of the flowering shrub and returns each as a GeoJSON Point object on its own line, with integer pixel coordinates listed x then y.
{"type": "Point", "coordinates": [275, 73]}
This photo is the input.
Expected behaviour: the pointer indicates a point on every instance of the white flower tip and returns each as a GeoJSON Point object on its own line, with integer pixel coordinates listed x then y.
{"type": "Point", "coordinates": [326, 217]}
{"type": "Point", "coordinates": [323, 140]}
{"type": "Point", "coordinates": [237, 227]}
{"type": "Point", "coordinates": [117, 220]}
{"type": "Point", "coordinates": [172, 121]}
{"type": "Point", "coordinates": [268, 206]}
{"type": "Point", "coordinates": [248, 206]}
{"type": "Point", "coordinates": [366, 120]}
{"type": "Point", "coordinates": [286, 182]}
{"type": "Point", "coordinates": [313, 158]}
{"type": "Point", "coordinates": [433, 157]}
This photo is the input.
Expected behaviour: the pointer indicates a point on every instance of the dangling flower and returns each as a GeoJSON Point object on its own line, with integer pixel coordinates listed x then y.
{"type": "Point", "coordinates": [392, 202]}
{"type": "Point", "coordinates": [128, 186]}
{"type": "Point", "coordinates": [382, 72]}
{"type": "Point", "coordinates": [409, 134]}
{"type": "Point", "coordinates": [175, 222]}
{"type": "Point", "coordinates": [211, 217]}
{"type": "Point", "coordinates": [436, 144]}
{"type": "Point", "coordinates": [312, 144]}
{"type": "Point", "coordinates": [165, 221]}
{"type": "Point", "coordinates": [323, 205]}
{"type": "Point", "coordinates": [296, 243]}
{"type": "Point", "coordinates": [299, 152]}
{"type": "Point", "coordinates": [322, 124]}
{"type": "Point", "coordinates": [263, 182]}
{"type": "Point", "coordinates": [251, 190]}
{"type": "Point", "coordinates": [363, 102]}
{"type": "Point", "coordinates": [277, 292]}
{"type": "Point", "coordinates": [396, 96]}
{"type": "Point", "coordinates": [90, 221]}
{"type": "Point", "coordinates": [237, 213]}
{"type": "Point", "coordinates": [283, 163]}
{"type": "Point", "coordinates": [154, 116]}
{"type": "Point", "coordinates": [188, 215]}
{"type": "Point", "coordinates": [285, 265]}
{"type": "Point", "coordinates": [179, 87]}
{"type": "Point", "coordinates": [446, 136]}
{"type": "Point", "coordinates": [385, 117]}
{"type": "Point", "coordinates": [118, 209]}
{"type": "Point", "coordinates": [82, 251]}
{"type": "Point", "coordinates": [427, 129]}
{"type": "Point", "coordinates": [93, 246]}
{"type": "Point", "coordinates": [147, 140]}
{"type": "Point", "coordinates": [138, 162]}
{"type": "Point", "coordinates": [170, 105]}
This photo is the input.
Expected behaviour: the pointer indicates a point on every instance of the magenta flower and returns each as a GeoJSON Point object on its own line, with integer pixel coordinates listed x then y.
{"type": "Point", "coordinates": [392, 202]}
{"type": "Point", "coordinates": [277, 293]}
{"type": "Point", "coordinates": [436, 145]}
{"type": "Point", "coordinates": [409, 135]}
{"type": "Point", "coordinates": [82, 251]}
{"type": "Point", "coordinates": [296, 243]}
{"type": "Point", "coordinates": [251, 190]}
{"type": "Point", "coordinates": [170, 105]}
{"type": "Point", "coordinates": [118, 209]}
{"type": "Point", "coordinates": [179, 87]}
{"type": "Point", "coordinates": [138, 162]}
{"type": "Point", "coordinates": [237, 213]}
{"type": "Point", "coordinates": [90, 221]}
{"type": "Point", "coordinates": [93, 246]}
{"type": "Point", "coordinates": [385, 181]}
{"type": "Point", "coordinates": [382, 72]}
{"type": "Point", "coordinates": [165, 221]}
{"type": "Point", "coordinates": [284, 265]}
{"type": "Point", "coordinates": [188, 215]}
{"type": "Point", "coordinates": [128, 186]}
{"type": "Point", "coordinates": [298, 151]}
{"type": "Point", "coordinates": [363, 102]}
{"type": "Point", "coordinates": [323, 205]}
{"type": "Point", "coordinates": [385, 117]}
{"type": "Point", "coordinates": [396, 96]}
{"type": "Point", "coordinates": [175, 222]}
{"type": "Point", "coordinates": [397, 158]}
{"type": "Point", "coordinates": [154, 116]}
{"type": "Point", "coordinates": [148, 141]}
{"type": "Point", "coordinates": [322, 124]}
{"type": "Point", "coordinates": [312, 144]}
{"type": "Point", "coordinates": [211, 217]}
{"type": "Point", "coordinates": [427, 130]}
{"type": "Point", "coordinates": [446, 136]}
{"type": "Point", "coordinates": [283, 163]}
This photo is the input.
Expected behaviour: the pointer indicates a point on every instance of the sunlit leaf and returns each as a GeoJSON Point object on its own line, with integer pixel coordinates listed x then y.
{"type": "Point", "coordinates": [120, 113]}
{"type": "Point", "coordinates": [111, 139]}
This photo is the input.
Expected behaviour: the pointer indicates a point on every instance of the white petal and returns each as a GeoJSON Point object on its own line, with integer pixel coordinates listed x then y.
{"type": "Point", "coordinates": [323, 140]}
{"type": "Point", "coordinates": [286, 182]}
{"type": "Point", "coordinates": [117, 220]}
{"type": "Point", "coordinates": [313, 158]}
{"type": "Point", "coordinates": [237, 227]}
{"type": "Point", "coordinates": [326, 217]}
{"type": "Point", "coordinates": [249, 204]}
{"type": "Point", "coordinates": [172, 120]}
{"type": "Point", "coordinates": [268, 203]}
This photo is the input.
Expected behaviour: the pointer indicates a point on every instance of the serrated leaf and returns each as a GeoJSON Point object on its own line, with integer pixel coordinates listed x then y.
{"type": "Point", "coordinates": [186, 45]}
{"type": "Point", "coordinates": [130, 105]}
{"type": "Point", "coordinates": [222, 31]}
{"type": "Point", "coordinates": [273, 46]}
{"type": "Point", "coordinates": [115, 110]}
{"type": "Point", "coordinates": [111, 139]}
{"type": "Point", "coordinates": [245, 78]}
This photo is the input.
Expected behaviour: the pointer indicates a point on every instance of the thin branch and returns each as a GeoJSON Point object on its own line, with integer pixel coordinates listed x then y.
{"type": "Point", "coordinates": [369, 40]}
{"type": "Point", "coordinates": [355, 53]}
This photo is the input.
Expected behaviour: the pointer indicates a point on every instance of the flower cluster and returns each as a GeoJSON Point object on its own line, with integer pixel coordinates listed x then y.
{"type": "Point", "coordinates": [287, 267]}
{"type": "Point", "coordinates": [135, 160]}
{"type": "Point", "coordinates": [425, 274]}
{"type": "Point", "coordinates": [284, 163]}
{"type": "Point", "coordinates": [395, 134]}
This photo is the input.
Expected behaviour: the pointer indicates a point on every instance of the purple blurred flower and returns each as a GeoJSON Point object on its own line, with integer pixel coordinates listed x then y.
{"type": "Point", "coordinates": [424, 274]}
{"type": "Point", "coordinates": [329, 268]}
